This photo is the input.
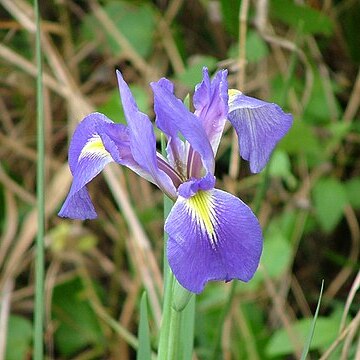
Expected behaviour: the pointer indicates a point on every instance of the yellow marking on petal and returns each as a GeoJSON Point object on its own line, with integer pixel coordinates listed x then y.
{"type": "Point", "coordinates": [202, 209]}
{"type": "Point", "coordinates": [94, 146]}
{"type": "Point", "coordinates": [233, 93]}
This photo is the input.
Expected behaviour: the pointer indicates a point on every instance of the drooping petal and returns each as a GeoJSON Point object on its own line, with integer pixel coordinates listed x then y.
{"type": "Point", "coordinates": [212, 236]}
{"type": "Point", "coordinates": [142, 139]}
{"type": "Point", "coordinates": [173, 117]}
{"type": "Point", "coordinates": [259, 126]}
{"type": "Point", "coordinates": [87, 158]}
{"type": "Point", "coordinates": [211, 104]}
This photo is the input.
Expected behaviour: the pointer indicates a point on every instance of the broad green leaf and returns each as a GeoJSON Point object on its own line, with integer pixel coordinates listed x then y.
{"type": "Point", "coordinates": [112, 108]}
{"type": "Point", "coordinates": [309, 20]}
{"type": "Point", "coordinates": [329, 201]}
{"type": "Point", "coordinates": [77, 325]}
{"type": "Point", "coordinates": [275, 257]}
{"type": "Point", "coordinates": [136, 22]}
{"type": "Point", "coordinates": [317, 110]}
{"type": "Point", "coordinates": [280, 166]}
{"type": "Point", "coordinates": [230, 13]}
{"type": "Point", "coordinates": [275, 247]}
{"type": "Point", "coordinates": [193, 73]}
{"type": "Point", "coordinates": [19, 336]}
{"type": "Point", "coordinates": [144, 351]}
{"type": "Point", "coordinates": [300, 139]}
{"type": "Point", "coordinates": [256, 48]}
{"type": "Point", "coordinates": [326, 331]}
{"type": "Point", "coordinates": [352, 188]}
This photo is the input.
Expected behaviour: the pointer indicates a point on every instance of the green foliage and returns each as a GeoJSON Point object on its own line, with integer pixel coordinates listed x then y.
{"type": "Point", "coordinates": [280, 166]}
{"type": "Point", "coordinates": [313, 325]}
{"type": "Point", "coordinates": [19, 336]}
{"type": "Point", "coordinates": [313, 174]}
{"type": "Point", "coordinates": [300, 140]}
{"type": "Point", "coordinates": [303, 17]}
{"type": "Point", "coordinates": [112, 108]}
{"type": "Point", "coordinates": [329, 201]}
{"type": "Point", "coordinates": [352, 188]}
{"type": "Point", "coordinates": [78, 326]}
{"type": "Point", "coordinates": [193, 72]}
{"type": "Point", "coordinates": [230, 12]}
{"type": "Point", "coordinates": [126, 17]}
{"type": "Point", "coordinates": [326, 330]}
{"type": "Point", "coordinates": [256, 48]}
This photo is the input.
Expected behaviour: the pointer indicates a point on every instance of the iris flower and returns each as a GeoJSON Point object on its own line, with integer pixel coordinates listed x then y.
{"type": "Point", "coordinates": [213, 235]}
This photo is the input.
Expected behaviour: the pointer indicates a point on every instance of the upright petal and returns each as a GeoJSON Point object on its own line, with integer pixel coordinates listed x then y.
{"type": "Point", "coordinates": [211, 104]}
{"type": "Point", "coordinates": [212, 236]}
{"type": "Point", "coordinates": [172, 116]}
{"type": "Point", "coordinates": [259, 126]}
{"type": "Point", "coordinates": [142, 139]}
{"type": "Point", "coordinates": [175, 147]}
{"type": "Point", "coordinates": [87, 158]}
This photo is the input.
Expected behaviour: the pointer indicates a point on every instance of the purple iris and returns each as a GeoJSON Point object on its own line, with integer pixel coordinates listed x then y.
{"type": "Point", "coordinates": [213, 235]}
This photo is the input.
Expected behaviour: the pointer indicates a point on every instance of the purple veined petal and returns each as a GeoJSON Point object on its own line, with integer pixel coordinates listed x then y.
{"type": "Point", "coordinates": [142, 140]}
{"type": "Point", "coordinates": [87, 158]}
{"type": "Point", "coordinates": [175, 147]}
{"type": "Point", "coordinates": [211, 104]}
{"type": "Point", "coordinates": [212, 236]}
{"type": "Point", "coordinates": [173, 117]}
{"type": "Point", "coordinates": [259, 126]}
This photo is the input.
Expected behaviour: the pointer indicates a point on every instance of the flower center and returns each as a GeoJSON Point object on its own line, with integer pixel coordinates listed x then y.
{"type": "Point", "coordinates": [202, 210]}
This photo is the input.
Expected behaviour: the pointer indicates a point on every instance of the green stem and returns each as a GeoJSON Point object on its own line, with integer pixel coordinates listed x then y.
{"type": "Point", "coordinates": [175, 321]}
{"type": "Point", "coordinates": [166, 318]}
{"type": "Point", "coordinates": [40, 186]}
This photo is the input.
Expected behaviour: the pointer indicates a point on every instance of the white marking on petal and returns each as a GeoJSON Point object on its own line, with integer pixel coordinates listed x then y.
{"type": "Point", "coordinates": [94, 148]}
{"type": "Point", "coordinates": [202, 210]}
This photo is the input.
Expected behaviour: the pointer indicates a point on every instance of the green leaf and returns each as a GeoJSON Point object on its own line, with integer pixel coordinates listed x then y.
{"type": "Point", "coordinates": [280, 166]}
{"type": "Point", "coordinates": [144, 351]}
{"type": "Point", "coordinates": [276, 247]}
{"type": "Point", "coordinates": [256, 48]}
{"type": "Point", "coordinates": [326, 330]}
{"type": "Point", "coordinates": [77, 324]}
{"type": "Point", "coordinates": [329, 200]}
{"type": "Point", "coordinates": [193, 73]}
{"type": "Point", "coordinates": [19, 336]}
{"type": "Point", "coordinates": [352, 188]}
{"type": "Point", "coordinates": [317, 110]}
{"type": "Point", "coordinates": [112, 108]}
{"type": "Point", "coordinates": [300, 139]}
{"type": "Point", "coordinates": [313, 324]}
{"type": "Point", "coordinates": [310, 20]}
{"type": "Point", "coordinates": [136, 23]}
{"type": "Point", "coordinates": [230, 13]}
{"type": "Point", "coordinates": [275, 243]}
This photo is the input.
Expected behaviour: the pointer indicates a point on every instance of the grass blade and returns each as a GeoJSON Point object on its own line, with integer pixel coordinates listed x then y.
{"type": "Point", "coordinates": [313, 324]}
{"type": "Point", "coordinates": [40, 189]}
{"type": "Point", "coordinates": [144, 351]}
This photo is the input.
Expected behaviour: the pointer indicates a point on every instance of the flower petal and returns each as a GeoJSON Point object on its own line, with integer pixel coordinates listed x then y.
{"type": "Point", "coordinates": [212, 236]}
{"type": "Point", "coordinates": [87, 158]}
{"type": "Point", "coordinates": [142, 139]}
{"type": "Point", "coordinates": [259, 126]}
{"type": "Point", "coordinates": [172, 117]}
{"type": "Point", "coordinates": [211, 104]}
{"type": "Point", "coordinates": [175, 148]}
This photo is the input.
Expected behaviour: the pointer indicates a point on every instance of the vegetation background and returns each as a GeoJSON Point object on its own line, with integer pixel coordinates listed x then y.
{"type": "Point", "coordinates": [304, 55]}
